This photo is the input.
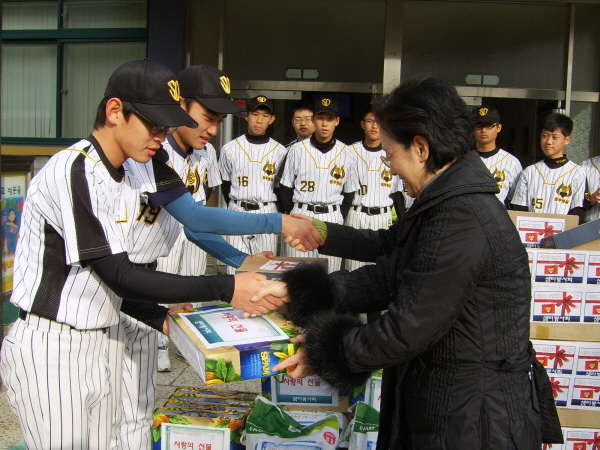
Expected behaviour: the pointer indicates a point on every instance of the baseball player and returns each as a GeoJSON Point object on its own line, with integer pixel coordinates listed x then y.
{"type": "Point", "coordinates": [379, 189]}
{"type": "Point", "coordinates": [248, 167]}
{"type": "Point", "coordinates": [72, 269]}
{"type": "Point", "coordinates": [554, 185]}
{"type": "Point", "coordinates": [205, 96]}
{"type": "Point", "coordinates": [320, 175]}
{"type": "Point", "coordinates": [503, 166]}
{"type": "Point", "coordinates": [592, 173]}
{"type": "Point", "coordinates": [302, 121]}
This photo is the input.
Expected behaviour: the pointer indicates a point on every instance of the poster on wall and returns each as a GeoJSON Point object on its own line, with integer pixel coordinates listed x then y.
{"type": "Point", "coordinates": [12, 197]}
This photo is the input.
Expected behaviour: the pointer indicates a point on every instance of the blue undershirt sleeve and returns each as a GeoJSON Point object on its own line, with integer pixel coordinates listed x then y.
{"type": "Point", "coordinates": [206, 219]}
{"type": "Point", "coordinates": [218, 247]}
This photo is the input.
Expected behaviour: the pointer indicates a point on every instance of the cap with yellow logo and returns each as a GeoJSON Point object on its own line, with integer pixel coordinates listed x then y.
{"type": "Point", "coordinates": [327, 105]}
{"type": "Point", "coordinates": [153, 90]}
{"type": "Point", "coordinates": [211, 87]}
{"type": "Point", "coordinates": [486, 114]}
{"type": "Point", "coordinates": [259, 101]}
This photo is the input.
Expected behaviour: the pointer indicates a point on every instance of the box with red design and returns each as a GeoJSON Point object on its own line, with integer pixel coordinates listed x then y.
{"type": "Point", "coordinates": [588, 359]}
{"type": "Point", "coordinates": [561, 390]}
{"type": "Point", "coordinates": [556, 357]}
{"type": "Point", "coordinates": [556, 305]}
{"type": "Point", "coordinates": [533, 227]}
{"type": "Point", "coordinates": [564, 266]}
{"type": "Point", "coordinates": [581, 439]}
{"type": "Point", "coordinates": [593, 269]}
{"type": "Point", "coordinates": [273, 269]}
{"type": "Point", "coordinates": [586, 393]}
{"type": "Point", "coordinates": [591, 307]}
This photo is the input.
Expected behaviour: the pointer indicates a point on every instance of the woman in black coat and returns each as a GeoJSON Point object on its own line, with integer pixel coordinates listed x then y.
{"type": "Point", "coordinates": [454, 279]}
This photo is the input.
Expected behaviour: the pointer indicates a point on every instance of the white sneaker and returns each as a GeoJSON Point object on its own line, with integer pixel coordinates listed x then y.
{"type": "Point", "coordinates": [164, 363]}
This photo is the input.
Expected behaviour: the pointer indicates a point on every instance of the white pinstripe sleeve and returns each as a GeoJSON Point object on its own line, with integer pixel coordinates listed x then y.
{"type": "Point", "coordinates": [578, 189]}
{"type": "Point", "coordinates": [289, 172]}
{"type": "Point", "coordinates": [214, 176]}
{"type": "Point", "coordinates": [520, 196]}
{"type": "Point", "coordinates": [352, 183]}
{"type": "Point", "coordinates": [225, 163]}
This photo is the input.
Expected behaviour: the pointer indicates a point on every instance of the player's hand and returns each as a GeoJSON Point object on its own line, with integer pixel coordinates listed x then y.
{"type": "Point", "coordinates": [277, 289]}
{"type": "Point", "coordinates": [246, 284]}
{"type": "Point", "coordinates": [268, 254]}
{"type": "Point", "coordinates": [595, 197]}
{"type": "Point", "coordinates": [180, 307]}
{"type": "Point", "coordinates": [303, 230]}
{"type": "Point", "coordinates": [298, 365]}
{"type": "Point", "coordinates": [295, 244]}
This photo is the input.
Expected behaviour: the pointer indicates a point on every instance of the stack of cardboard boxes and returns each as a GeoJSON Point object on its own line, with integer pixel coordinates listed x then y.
{"type": "Point", "coordinates": [565, 318]}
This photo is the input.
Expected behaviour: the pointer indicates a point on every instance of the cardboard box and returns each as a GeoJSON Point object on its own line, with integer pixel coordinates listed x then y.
{"type": "Point", "coordinates": [533, 227]}
{"type": "Point", "coordinates": [574, 237]}
{"type": "Point", "coordinates": [227, 363]}
{"type": "Point", "coordinates": [273, 268]}
{"type": "Point", "coordinates": [579, 332]}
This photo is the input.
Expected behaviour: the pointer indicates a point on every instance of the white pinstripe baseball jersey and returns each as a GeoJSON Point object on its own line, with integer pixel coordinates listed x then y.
{"type": "Point", "coordinates": [251, 168]}
{"type": "Point", "coordinates": [592, 174]}
{"type": "Point", "coordinates": [67, 220]}
{"type": "Point", "coordinates": [552, 191]}
{"type": "Point", "coordinates": [320, 178]}
{"type": "Point", "coordinates": [505, 169]}
{"type": "Point", "coordinates": [376, 180]}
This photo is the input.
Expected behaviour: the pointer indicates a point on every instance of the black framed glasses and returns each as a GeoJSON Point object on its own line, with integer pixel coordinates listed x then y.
{"type": "Point", "coordinates": [154, 129]}
{"type": "Point", "coordinates": [485, 126]}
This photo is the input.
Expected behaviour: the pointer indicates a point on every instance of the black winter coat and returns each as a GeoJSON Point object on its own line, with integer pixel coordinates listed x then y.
{"type": "Point", "coordinates": [454, 343]}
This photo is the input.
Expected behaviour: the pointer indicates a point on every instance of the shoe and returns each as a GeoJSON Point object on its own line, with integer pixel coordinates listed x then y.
{"type": "Point", "coordinates": [180, 356]}
{"type": "Point", "coordinates": [164, 363]}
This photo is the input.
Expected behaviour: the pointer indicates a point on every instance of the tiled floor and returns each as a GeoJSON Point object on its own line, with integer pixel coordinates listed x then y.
{"type": "Point", "coordinates": [180, 375]}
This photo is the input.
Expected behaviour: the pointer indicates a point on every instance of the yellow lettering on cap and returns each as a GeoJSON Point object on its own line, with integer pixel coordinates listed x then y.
{"type": "Point", "coordinates": [326, 102]}
{"type": "Point", "coordinates": [483, 111]}
{"type": "Point", "coordinates": [261, 99]}
{"type": "Point", "coordinates": [225, 84]}
{"type": "Point", "coordinates": [174, 89]}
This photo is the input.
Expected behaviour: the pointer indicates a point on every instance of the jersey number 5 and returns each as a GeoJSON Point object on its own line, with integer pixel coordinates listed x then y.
{"type": "Point", "coordinates": [147, 214]}
{"type": "Point", "coordinates": [537, 203]}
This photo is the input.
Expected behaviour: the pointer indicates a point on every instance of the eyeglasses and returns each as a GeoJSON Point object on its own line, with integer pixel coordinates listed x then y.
{"type": "Point", "coordinates": [487, 127]}
{"type": "Point", "coordinates": [387, 160]}
{"type": "Point", "coordinates": [306, 120]}
{"type": "Point", "coordinates": [154, 129]}
{"type": "Point", "coordinates": [370, 121]}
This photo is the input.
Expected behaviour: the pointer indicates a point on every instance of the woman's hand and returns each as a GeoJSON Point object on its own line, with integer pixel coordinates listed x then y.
{"type": "Point", "coordinates": [298, 365]}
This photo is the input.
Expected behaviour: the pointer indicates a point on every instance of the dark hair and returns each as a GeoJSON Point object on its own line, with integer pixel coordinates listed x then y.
{"type": "Point", "coordinates": [302, 105]}
{"type": "Point", "coordinates": [431, 108]}
{"type": "Point", "coordinates": [560, 122]}
{"type": "Point", "coordinates": [371, 109]}
{"type": "Point", "coordinates": [100, 121]}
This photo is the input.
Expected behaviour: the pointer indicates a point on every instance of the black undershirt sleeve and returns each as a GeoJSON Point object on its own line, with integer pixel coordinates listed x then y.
{"type": "Point", "coordinates": [286, 198]}
{"type": "Point", "coordinates": [225, 189]}
{"type": "Point", "coordinates": [518, 207]}
{"type": "Point", "coordinates": [578, 211]}
{"type": "Point", "coordinates": [346, 203]}
{"type": "Point", "coordinates": [399, 204]}
{"type": "Point", "coordinates": [151, 314]}
{"type": "Point", "coordinates": [143, 285]}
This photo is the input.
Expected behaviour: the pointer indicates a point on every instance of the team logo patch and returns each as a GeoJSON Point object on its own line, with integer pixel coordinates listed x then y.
{"type": "Point", "coordinates": [225, 84]}
{"type": "Point", "coordinates": [193, 181]}
{"type": "Point", "coordinates": [386, 175]}
{"type": "Point", "coordinates": [326, 101]}
{"type": "Point", "coordinates": [338, 172]}
{"type": "Point", "coordinates": [261, 99]}
{"type": "Point", "coordinates": [499, 175]}
{"type": "Point", "coordinates": [269, 168]}
{"type": "Point", "coordinates": [483, 111]}
{"type": "Point", "coordinates": [174, 89]}
{"type": "Point", "coordinates": [565, 190]}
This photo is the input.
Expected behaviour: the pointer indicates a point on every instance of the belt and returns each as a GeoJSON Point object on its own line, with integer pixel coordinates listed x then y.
{"type": "Point", "coordinates": [23, 315]}
{"type": "Point", "coordinates": [250, 206]}
{"type": "Point", "coordinates": [150, 266]}
{"type": "Point", "coordinates": [318, 209]}
{"type": "Point", "coordinates": [371, 210]}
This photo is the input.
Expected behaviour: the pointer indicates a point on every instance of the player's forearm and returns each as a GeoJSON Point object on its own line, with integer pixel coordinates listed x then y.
{"type": "Point", "coordinates": [142, 285]}
{"type": "Point", "coordinates": [151, 314]}
{"type": "Point", "coordinates": [199, 218]}
{"type": "Point", "coordinates": [217, 247]}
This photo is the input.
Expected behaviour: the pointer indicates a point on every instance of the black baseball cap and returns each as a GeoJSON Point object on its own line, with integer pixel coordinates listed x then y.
{"type": "Point", "coordinates": [259, 100]}
{"type": "Point", "coordinates": [152, 89]}
{"type": "Point", "coordinates": [327, 105]}
{"type": "Point", "coordinates": [487, 114]}
{"type": "Point", "coordinates": [211, 87]}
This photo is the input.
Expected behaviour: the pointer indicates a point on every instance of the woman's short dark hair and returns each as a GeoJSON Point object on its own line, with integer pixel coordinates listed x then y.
{"type": "Point", "coordinates": [560, 122]}
{"type": "Point", "coordinates": [100, 121]}
{"type": "Point", "coordinates": [428, 107]}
